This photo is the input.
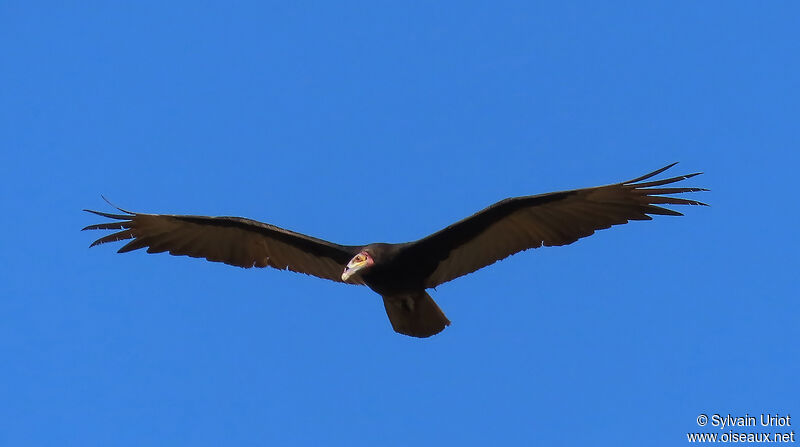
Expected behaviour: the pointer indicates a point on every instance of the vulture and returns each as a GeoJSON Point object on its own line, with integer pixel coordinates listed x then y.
{"type": "Point", "coordinates": [401, 273]}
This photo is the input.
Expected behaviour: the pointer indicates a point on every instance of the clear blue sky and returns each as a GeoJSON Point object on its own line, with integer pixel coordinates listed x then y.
{"type": "Point", "coordinates": [386, 121]}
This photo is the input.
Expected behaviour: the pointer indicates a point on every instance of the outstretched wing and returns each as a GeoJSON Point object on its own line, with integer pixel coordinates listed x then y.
{"type": "Point", "coordinates": [232, 240]}
{"type": "Point", "coordinates": [520, 223]}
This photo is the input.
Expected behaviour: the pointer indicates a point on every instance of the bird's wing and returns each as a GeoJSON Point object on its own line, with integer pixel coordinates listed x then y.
{"type": "Point", "coordinates": [520, 223]}
{"type": "Point", "coordinates": [232, 240]}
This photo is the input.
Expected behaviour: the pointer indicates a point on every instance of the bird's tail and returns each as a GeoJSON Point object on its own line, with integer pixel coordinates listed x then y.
{"type": "Point", "coordinates": [415, 314]}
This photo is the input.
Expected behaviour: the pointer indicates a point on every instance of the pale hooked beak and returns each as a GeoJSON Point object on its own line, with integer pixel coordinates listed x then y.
{"type": "Point", "coordinates": [357, 263]}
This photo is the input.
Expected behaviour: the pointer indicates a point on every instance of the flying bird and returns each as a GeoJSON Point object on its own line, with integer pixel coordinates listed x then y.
{"type": "Point", "coordinates": [401, 273]}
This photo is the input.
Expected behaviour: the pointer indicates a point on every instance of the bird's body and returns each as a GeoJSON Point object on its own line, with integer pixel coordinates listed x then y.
{"type": "Point", "coordinates": [401, 273]}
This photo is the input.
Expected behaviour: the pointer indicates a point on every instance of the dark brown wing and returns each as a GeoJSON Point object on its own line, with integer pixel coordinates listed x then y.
{"type": "Point", "coordinates": [232, 240]}
{"type": "Point", "coordinates": [521, 223]}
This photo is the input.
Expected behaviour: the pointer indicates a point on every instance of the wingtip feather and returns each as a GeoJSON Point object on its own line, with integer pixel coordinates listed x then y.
{"type": "Point", "coordinates": [654, 173]}
{"type": "Point", "coordinates": [115, 206]}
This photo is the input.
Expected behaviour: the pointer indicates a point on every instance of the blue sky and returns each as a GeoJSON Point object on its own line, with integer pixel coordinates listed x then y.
{"type": "Point", "coordinates": [386, 121]}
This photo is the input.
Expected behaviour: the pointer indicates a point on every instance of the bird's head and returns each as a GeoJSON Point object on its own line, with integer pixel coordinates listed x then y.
{"type": "Point", "coordinates": [359, 263]}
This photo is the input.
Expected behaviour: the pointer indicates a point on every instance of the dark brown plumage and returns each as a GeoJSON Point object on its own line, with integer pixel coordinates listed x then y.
{"type": "Point", "coordinates": [400, 273]}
